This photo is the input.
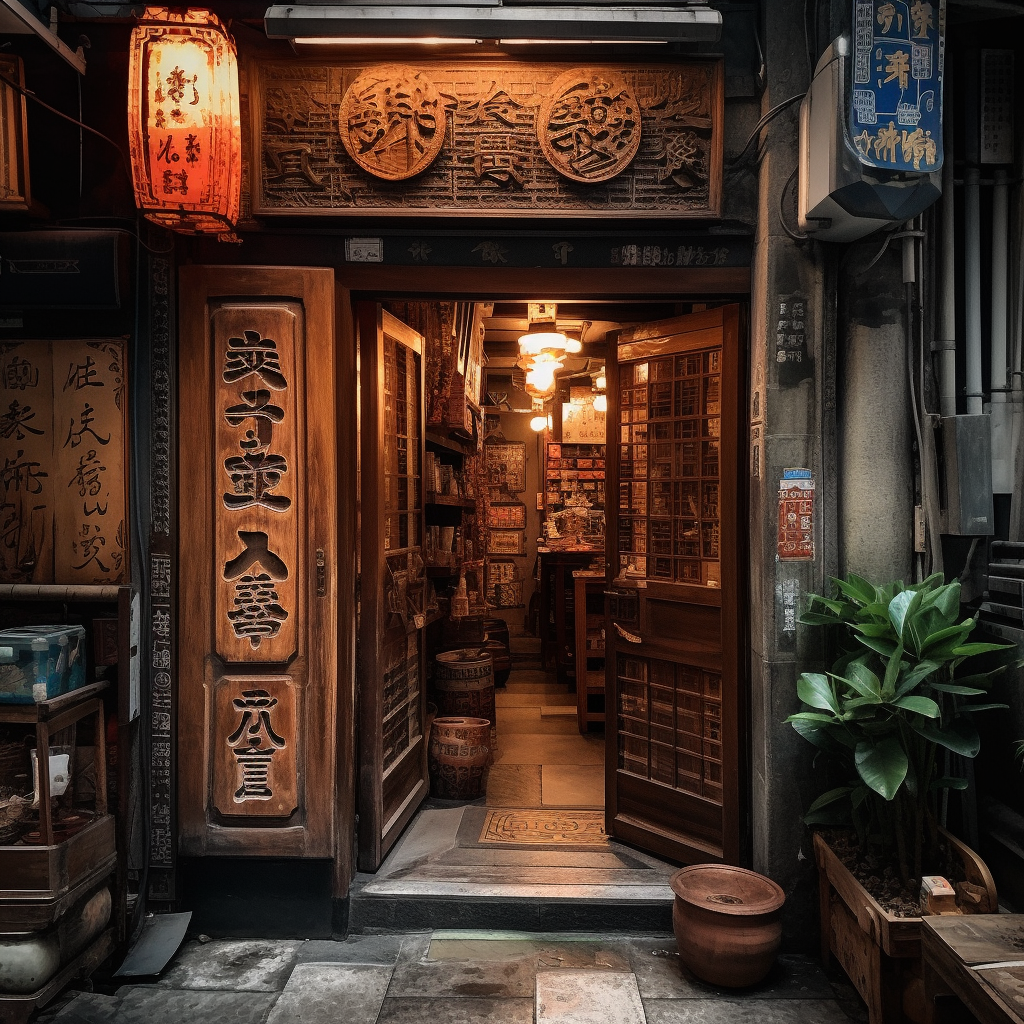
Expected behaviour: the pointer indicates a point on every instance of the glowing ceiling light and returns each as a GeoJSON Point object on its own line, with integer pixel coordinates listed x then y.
{"type": "Point", "coordinates": [600, 403]}
{"type": "Point", "coordinates": [573, 345]}
{"type": "Point", "coordinates": [600, 382]}
{"type": "Point", "coordinates": [540, 374]}
{"type": "Point", "coordinates": [539, 423]}
{"type": "Point", "coordinates": [536, 342]}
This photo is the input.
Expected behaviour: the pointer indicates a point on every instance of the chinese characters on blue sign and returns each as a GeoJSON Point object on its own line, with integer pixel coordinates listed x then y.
{"type": "Point", "coordinates": [896, 106]}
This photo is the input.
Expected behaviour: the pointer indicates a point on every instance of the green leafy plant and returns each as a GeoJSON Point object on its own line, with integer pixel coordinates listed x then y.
{"type": "Point", "coordinates": [891, 704]}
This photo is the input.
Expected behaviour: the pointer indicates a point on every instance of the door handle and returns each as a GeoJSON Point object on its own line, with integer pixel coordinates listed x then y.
{"type": "Point", "coordinates": [632, 638]}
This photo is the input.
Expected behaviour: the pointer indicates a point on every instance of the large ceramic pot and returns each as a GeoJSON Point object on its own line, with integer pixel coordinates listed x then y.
{"type": "Point", "coordinates": [459, 754]}
{"type": "Point", "coordinates": [728, 923]}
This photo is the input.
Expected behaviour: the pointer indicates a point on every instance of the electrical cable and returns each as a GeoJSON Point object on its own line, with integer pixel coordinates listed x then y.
{"type": "Point", "coordinates": [29, 94]}
{"type": "Point", "coordinates": [765, 119]}
{"type": "Point", "coordinates": [795, 235]}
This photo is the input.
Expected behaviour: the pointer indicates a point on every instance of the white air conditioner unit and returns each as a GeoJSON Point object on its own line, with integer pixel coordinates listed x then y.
{"type": "Point", "coordinates": [841, 198]}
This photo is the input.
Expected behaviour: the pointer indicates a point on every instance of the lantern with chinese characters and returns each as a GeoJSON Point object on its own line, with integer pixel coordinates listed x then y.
{"type": "Point", "coordinates": [183, 121]}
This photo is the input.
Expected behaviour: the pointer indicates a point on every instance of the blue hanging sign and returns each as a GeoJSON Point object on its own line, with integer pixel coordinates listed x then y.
{"type": "Point", "coordinates": [895, 111]}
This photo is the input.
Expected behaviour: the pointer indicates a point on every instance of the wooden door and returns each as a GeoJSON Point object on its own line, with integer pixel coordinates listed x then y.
{"type": "Point", "coordinates": [675, 668]}
{"type": "Point", "coordinates": [392, 698]}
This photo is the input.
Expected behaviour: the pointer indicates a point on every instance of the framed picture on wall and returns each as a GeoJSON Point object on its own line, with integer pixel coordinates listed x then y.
{"type": "Point", "coordinates": [506, 542]}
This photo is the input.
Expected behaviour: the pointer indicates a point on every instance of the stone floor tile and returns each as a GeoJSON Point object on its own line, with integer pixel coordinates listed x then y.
{"type": "Point", "coordinates": [515, 722]}
{"type": "Point", "coordinates": [414, 947]}
{"type": "Point", "coordinates": [151, 1004]}
{"type": "Point", "coordinates": [738, 1011]}
{"type": "Point", "coordinates": [456, 1011]}
{"type": "Point", "coordinates": [328, 993]}
{"type": "Point", "coordinates": [572, 785]}
{"type": "Point", "coordinates": [356, 949]}
{"type": "Point", "coordinates": [513, 785]}
{"type": "Point", "coordinates": [660, 975]}
{"type": "Point", "coordinates": [588, 997]}
{"type": "Point", "coordinates": [507, 979]}
{"type": "Point", "coordinates": [233, 965]}
{"type": "Point", "coordinates": [85, 1008]}
{"type": "Point", "coordinates": [527, 748]}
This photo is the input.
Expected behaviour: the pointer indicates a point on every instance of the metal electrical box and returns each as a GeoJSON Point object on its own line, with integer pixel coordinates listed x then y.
{"type": "Point", "coordinates": [967, 459]}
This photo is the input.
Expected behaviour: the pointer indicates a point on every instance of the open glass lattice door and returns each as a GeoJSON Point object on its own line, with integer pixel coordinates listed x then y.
{"type": "Point", "coordinates": [674, 701]}
{"type": "Point", "coordinates": [392, 762]}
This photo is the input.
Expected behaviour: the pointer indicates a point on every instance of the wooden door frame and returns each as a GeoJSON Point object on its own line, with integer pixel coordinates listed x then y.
{"type": "Point", "coordinates": [735, 560]}
{"type": "Point", "coordinates": [636, 285]}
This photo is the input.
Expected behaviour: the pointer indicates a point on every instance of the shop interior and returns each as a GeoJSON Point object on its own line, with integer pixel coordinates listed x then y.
{"type": "Point", "coordinates": [515, 400]}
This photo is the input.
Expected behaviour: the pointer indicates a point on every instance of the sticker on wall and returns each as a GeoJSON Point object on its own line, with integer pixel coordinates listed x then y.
{"type": "Point", "coordinates": [796, 516]}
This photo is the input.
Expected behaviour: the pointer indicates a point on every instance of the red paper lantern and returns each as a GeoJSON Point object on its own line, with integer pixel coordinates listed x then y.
{"type": "Point", "coordinates": [183, 124]}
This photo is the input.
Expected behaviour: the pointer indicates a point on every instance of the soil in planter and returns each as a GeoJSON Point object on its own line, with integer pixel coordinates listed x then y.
{"type": "Point", "coordinates": [881, 879]}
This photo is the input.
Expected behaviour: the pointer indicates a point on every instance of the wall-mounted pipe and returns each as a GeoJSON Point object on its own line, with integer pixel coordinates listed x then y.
{"type": "Point", "coordinates": [1002, 423]}
{"type": "Point", "coordinates": [946, 342]}
{"type": "Point", "coordinates": [972, 238]}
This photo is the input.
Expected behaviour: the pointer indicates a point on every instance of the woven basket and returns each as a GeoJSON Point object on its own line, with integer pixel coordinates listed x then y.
{"type": "Point", "coordinates": [14, 767]}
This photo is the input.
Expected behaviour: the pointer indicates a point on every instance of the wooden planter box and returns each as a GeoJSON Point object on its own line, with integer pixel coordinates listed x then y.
{"type": "Point", "coordinates": [40, 882]}
{"type": "Point", "coordinates": [880, 952]}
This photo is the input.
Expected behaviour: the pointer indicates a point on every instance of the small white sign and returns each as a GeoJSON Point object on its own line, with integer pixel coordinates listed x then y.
{"type": "Point", "coordinates": [364, 250]}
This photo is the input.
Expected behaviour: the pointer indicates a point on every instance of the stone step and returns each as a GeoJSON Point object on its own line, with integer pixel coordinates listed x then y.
{"type": "Point", "coordinates": [405, 911]}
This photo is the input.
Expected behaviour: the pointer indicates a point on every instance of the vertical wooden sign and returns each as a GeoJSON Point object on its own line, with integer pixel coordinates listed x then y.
{"type": "Point", "coordinates": [257, 506]}
{"type": "Point", "coordinates": [91, 524]}
{"type": "Point", "coordinates": [63, 483]}
{"type": "Point", "coordinates": [256, 480]}
{"type": "Point", "coordinates": [26, 446]}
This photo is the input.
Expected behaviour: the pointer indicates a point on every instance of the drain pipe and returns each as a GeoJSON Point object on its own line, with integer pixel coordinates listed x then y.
{"type": "Point", "coordinates": [972, 240]}
{"type": "Point", "coordinates": [1002, 455]}
{"type": "Point", "coordinates": [1016, 532]}
{"type": "Point", "coordinates": [946, 345]}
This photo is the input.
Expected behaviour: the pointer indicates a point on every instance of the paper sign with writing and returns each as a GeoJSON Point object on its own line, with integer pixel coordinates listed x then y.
{"type": "Point", "coordinates": [895, 109]}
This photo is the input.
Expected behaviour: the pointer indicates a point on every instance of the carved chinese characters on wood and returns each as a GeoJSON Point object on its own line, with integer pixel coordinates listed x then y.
{"type": "Point", "coordinates": [490, 138]}
{"type": "Point", "coordinates": [392, 122]}
{"type": "Point", "coordinates": [255, 481]}
{"type": "Point", "coordinates": [589, 126]}
{"type": "Point", "coordinates": [63, 504]}
{"type": "Point", "coordinates": [254, 764]}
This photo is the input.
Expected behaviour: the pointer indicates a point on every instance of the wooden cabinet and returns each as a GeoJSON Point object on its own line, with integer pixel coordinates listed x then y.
{"type": "Point", "coordinates": [588, 607]}
{"type": "Point", "coordinates": [557, 611]}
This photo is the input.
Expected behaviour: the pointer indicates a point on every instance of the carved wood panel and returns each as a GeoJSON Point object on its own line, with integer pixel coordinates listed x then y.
{"type": "Point", "coordinates": [257, 477]}
{"type": "Point", "coordinates": [63, 499]}
{"type": "Point", "coordinates": [257, 662]}
{"type": "Point", "coordinates": [254, 764]}
{"type": "Point", "coordinates": [506, 138]}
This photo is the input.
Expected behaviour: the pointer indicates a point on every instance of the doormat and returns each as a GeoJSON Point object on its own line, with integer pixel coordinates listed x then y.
{"type": "Point", "coordinates": [544, 828]}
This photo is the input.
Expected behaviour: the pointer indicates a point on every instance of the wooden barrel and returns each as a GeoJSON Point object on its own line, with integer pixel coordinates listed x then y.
{"type": "Point", "coordinates": [459, 754]}
{"type": "Point", "coordinates": [499, 644]}
{"type": "Point", "coordinates": [464, 684]}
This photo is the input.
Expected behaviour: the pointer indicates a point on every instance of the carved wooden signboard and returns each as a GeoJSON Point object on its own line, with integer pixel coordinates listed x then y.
{"type": "Point", "coordinates": [256, 465]}
{"type": "Point", "coordinates": [488, 138]}
{"type": "Point", "coordinates": [256, 659]}
{"type": "Point", "coordinates": [63, 504]}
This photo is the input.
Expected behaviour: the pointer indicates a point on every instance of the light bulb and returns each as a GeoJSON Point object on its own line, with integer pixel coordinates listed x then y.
{"type": "Point", "coordinates": [539, 423]}
{"type": "Point", "coordinates": [600, 403]}
{"type": "Point", "coordinates": [541, 377]}
{"type": "Point", "coordinates": [573, 345]}
{"type": "Point", "coordinates": [600, 382]}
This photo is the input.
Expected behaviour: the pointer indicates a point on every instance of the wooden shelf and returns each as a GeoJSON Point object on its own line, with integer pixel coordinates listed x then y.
{"type": "Point", "coordinates": [449, 444]}
{"type": "Point", "coordinates": [436, 571]}
{"type": "Point", "coordinates": [448, 499]}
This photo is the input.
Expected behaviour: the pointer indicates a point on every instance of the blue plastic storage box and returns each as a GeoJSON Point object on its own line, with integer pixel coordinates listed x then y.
{"type": "Point", "coordinates": [40, 662]}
